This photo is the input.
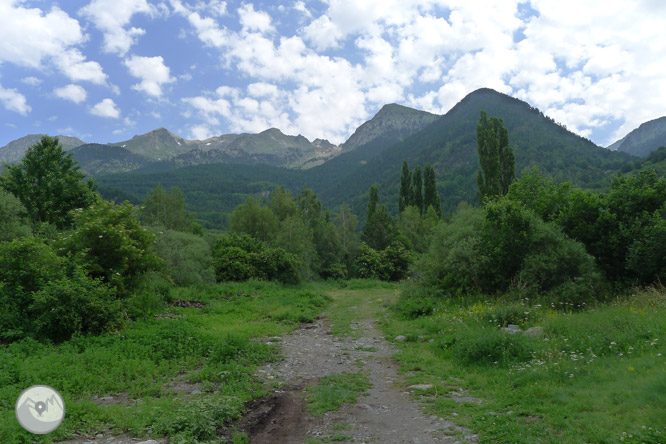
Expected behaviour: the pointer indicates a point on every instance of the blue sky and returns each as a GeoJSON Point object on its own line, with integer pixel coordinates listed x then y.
{"type": "Point", "coordinates": [105, 70]}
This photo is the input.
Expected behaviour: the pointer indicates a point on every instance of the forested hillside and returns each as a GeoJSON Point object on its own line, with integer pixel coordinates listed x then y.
{"type": "Point", "coordinates": [448, 143]}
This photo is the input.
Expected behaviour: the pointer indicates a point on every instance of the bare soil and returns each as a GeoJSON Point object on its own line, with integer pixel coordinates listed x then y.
{"type": "Point", "coordinates": [386, 415]}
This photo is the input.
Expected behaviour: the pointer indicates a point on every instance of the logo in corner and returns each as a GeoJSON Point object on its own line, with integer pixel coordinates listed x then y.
{"type": "Point", "coordinates": [40, 409]}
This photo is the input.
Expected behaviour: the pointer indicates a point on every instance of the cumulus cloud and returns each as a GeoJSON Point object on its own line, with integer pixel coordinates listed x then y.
{"type": "Point", "coordinates": [112, 17]}
{"type": "Point", "coordinates": [252, 20]}
{"type": "Point", "coordinates": [32, 81]}
{"type": "Point", "coordinates": [71, 92]}
{"type": "Point", "coordinates": [106, 108]}
{"type": "Point", "coordinates": [29, 37]}
{"type": "Point", "coordinates": [153, 74]}
{"type": "Point", "coordinates": [13, 100]}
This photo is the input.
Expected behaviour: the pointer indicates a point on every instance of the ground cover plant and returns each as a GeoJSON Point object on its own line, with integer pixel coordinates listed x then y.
{"type": "Point", "coordinates": [213, 347]}
{"type": "Point", "coordinates": [593, 374]}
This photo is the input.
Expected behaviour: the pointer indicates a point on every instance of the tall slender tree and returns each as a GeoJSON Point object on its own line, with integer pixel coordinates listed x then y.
{"type": "Point", "coordinates": [405, 188]}
{"type": "Point", "coordinates": [430, 195]}
{"type": "Point", "coordinates": [417, 189]}
{"type": "Point", "coordinates": [495, 157]}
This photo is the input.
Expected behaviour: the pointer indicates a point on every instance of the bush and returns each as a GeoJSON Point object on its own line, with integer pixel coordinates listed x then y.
{"type": "Point", "coordinates": [45, 297]}
{"type": "Point", "coordinates": [13, 217]}
{"type": "Point", "coordinates": [240, 257]}
{"type": "Point", "coordinates": [75, 304]}
{"type": "Point", "coordinates": [111, 245]}
{"type": "Point", "coordinates": [370, 264]}
{"type": "Point", "coordinates": [187, 257]}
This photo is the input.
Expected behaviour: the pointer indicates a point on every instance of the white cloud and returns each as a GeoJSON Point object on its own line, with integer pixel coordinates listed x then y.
{"type": "Point", "coordinates": [153, 74]}
{"type": "Point", "coordinates": [71, 92]}
{"type": "Point", "coordinates": [106, 108]}
{"type": "Point", "coordinates": [29, 36]}
{"type": "Point", "coordinates": [201, 132]}
{"type": "Point", "coordinates": [112, 17]}
{"type": "Point", "coordinates": [252, 20]}
{"type": "Point", "coordinates": [32, 81]}
{"type": "Point", "coordinates": [14, 101]}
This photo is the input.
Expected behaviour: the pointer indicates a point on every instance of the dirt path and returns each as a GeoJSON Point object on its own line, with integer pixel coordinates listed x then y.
{"type": "Point", "coordinates": [386, 415]}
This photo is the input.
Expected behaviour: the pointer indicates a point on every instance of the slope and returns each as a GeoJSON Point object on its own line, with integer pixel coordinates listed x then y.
{"type": "Point", "coordinates": [644, 139]}
{"type": "Point", "coordinates": [449, 144]}
{"type": "Point", "coordinates": [15, 150]}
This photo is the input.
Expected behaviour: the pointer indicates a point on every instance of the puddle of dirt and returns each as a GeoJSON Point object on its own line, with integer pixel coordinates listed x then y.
{"type": "Point", "coordinates": [277, 418]}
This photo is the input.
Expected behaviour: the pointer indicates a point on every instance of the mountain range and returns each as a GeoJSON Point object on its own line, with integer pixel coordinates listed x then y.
{"type": "Point", "coordinates": [217, 174]}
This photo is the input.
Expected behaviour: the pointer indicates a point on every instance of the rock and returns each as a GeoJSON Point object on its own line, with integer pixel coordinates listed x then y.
{"type": "Point", "coordinates": [106, 398]}
{"type": "Point", "coordinates": [150, 441]}
{"type": "Point", "coordinates": [400, 338]}
{"type": "Point", "coordinates": [510, 330]}
{"type": "Point", "coordinates": [534, 332]}
{"type": "Point", "coordinates": [99, 436]}
{"type": "Point", "coordinates": [420, 387]}
{"type": "Point", "coordinates": [513, 327]}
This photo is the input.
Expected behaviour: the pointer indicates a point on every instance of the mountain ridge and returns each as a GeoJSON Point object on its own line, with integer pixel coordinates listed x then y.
{"type": "Point", "coordinates": [643, 140]}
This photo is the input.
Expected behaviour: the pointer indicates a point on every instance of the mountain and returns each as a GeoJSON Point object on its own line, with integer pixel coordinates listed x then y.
{"type": "Point", "coordinates": [159, 144]}
{"type": "Point", "coordinates": [394, 121]}
{"type": "Point", "coordinates": [94, 159]}
{"type": "Point", "coordinates": [449, 144]}
{"type": "Point", "coordinates": [644, 139]}
{"type": "Point", "coordinates": [15, 150]}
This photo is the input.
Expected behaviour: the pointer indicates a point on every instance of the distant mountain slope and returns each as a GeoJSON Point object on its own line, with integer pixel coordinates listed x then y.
{"type": "Point", "coordinates": [395, 121]}
{"type": "Point", "coordinates": [15, 150]}
{"type": "Point", "coordinates": [644, 139]}
{"type": "Point", "coordinates": [449, 144]}
{"type": "Point", "coordinates": [94, 158]}
{"type": "Point", "coordinates": [159, 144]}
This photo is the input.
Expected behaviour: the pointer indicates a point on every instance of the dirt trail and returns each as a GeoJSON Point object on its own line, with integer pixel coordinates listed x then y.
{"type": "Point", "coordinates": [386, 415]}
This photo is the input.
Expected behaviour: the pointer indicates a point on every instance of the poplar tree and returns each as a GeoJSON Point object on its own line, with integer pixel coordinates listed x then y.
{"type": "Point", "coordinates": [495, 157]}
{"type": "Point", "coordinates": [430, 195]}
{"type": "Point", "coordinates": [405, 188]}
{"type": "Point", "coordinates": [417, 189]}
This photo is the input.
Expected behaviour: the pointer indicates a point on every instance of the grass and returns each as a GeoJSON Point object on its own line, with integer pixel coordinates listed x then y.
{"type": "Point", "coordinates": [335, 390]}
{"type": "Point", "coordinates": [597, 375]}
{"type": "Point", "coordinates": [213, 346]}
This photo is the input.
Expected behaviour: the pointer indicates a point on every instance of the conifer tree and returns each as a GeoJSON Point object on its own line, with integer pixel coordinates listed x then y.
{"type": "Point", "coordinates": [430, 195]}
{"type": "Point", "coordinates": [405, 188]}
{"type": "Point", "coordinates": [417, 189]}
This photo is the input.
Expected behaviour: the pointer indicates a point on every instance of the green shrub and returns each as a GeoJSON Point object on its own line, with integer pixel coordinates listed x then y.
{"type": "Point", "coordinates": [75, 304]}
{"type": "Point", "coordinates": [370, 264]}
{"type": "Point", "coordinates": [187, 257]}
{"type": "Point", "coordinates": [111, 245]}
{"type": "Point", "coordinates": [503, 315]}
{"type": "Point", "coordinates": [45, 297]}
{"type": "Point", "coordinates": [240, 257]}
{"type": "Point", "coordinates": [13, 217]}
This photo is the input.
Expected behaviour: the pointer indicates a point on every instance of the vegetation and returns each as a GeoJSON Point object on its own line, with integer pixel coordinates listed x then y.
{"type": "Point", "coordinates": [498, 167]}
{"type": "Point", "coordinates": [48, 183]}
{"type": "Point", "coordinates": [335, 390]}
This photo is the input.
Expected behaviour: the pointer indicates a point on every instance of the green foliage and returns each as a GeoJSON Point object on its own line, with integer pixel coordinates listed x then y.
{"type": "Point", "coordinates": [540, 195]}
{"type": "Point", "coordinates": [13, 220]}
{"type": "Point", "coordinates": [282, 203]}
{"type": "Point", "coordinates": [505, 246]}
{"type": "Point", "coordinates": [240, 257]}
{"type": "Point", "coordinates": [255, 220]}
{"type": "Point", "coordinates": [416, 229]}
{"type": "Point", "coordinates": [187, 257]}
{"type": "Point", "coordinates": [345, 223]}
{"type": "Point", "coordinates": [379, 230]}
{"type": "Point", "coordinates": [390, 264]}
{"type": "Point", "coordinates": [370, 264]}
{"type": "Point", "coordinates": [430, 195]}
{"type": "Point", "coordinates": [404, 196]}
{"type": "Point", "coordinates": [496, 157]}
{"type": "Point", "coordinates": [492, 347]}
{"type": "Point", "coordinates": [416, 197]}
{"type": "Point", "coordinates": [45, 297]}
{"type": "Point", "coordinates": [48, 183]}
{"type": "Point", "coordinates": [295, 237]}
{"type": "Point", "coordinates": [111, 245]}
{"type": "Point", "coordinates": [74, 304]}
{"type": "Point", "coordinates": [168, 210]}
{"type": "Point", "coordinates": [335, 390]}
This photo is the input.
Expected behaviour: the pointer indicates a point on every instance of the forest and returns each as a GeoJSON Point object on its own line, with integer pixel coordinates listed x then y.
{"type": "Point", "coordinates": [79, 272]}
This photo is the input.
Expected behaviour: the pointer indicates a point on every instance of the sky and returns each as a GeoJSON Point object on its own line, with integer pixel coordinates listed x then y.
{"type": "Point", "coordinates": [105, 70]}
